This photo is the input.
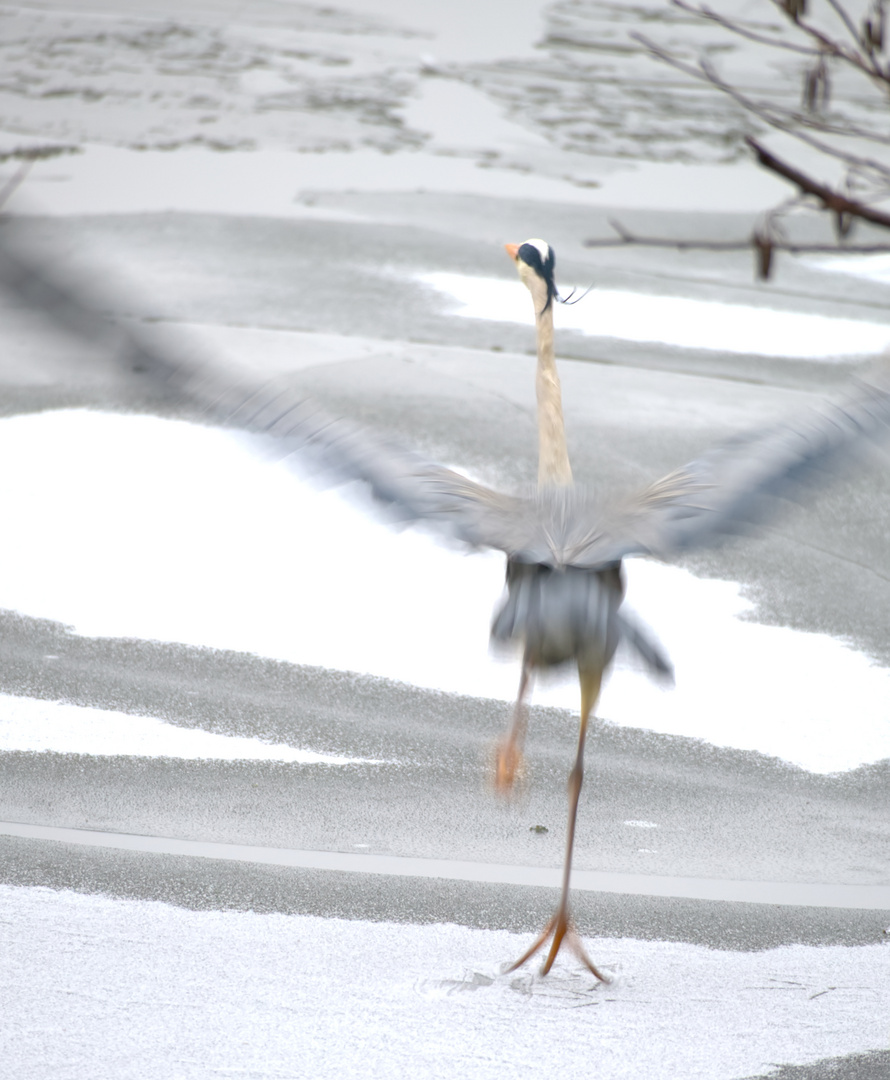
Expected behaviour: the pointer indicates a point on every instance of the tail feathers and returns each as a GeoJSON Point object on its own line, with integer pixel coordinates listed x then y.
{"type": "Point", "coordinates": [651, 653]}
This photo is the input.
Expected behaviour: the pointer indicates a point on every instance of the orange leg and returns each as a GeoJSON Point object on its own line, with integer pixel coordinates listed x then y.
{"type": "Point", "coordinates": [560, 926]}
{"type": "Point", "coordinates": [508, 759]}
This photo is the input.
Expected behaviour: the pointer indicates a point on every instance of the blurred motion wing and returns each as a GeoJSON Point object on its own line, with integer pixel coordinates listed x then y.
{"type": "Point", "coordinates": [745, 481]}
{"type": "Point", "coordinates": [334, 450]}
{"type": "Point", "coordinates": [409, 487]}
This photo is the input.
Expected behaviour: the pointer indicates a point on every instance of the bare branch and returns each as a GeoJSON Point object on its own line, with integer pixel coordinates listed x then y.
{"type": "Point", "coordinates": [782, 120]}
{"type": "Point", "coordinates": [831, 200]}
{"type": "Point", "coordinates": [841, 13]}
{"type": "Point", "coordinates": [763, 242]}
{"type": "Point", "coordinates": [858, 46]}
{"type": "Point", "coordinates": [833, 48]}
{"type": "Point", "coordinates": [626, 238]}
{"type": "Point", "coordinates": [864, 62]}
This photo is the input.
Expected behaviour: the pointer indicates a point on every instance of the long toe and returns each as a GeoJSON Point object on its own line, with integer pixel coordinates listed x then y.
{"type": "Point", "coordinates": [563, 932]}
{"type": "Point", "coordinates": [561, 927]}
{"type": "Point", "coordinates": [573, 940]}
{"type": "Point", "coordinates": [536, 944]}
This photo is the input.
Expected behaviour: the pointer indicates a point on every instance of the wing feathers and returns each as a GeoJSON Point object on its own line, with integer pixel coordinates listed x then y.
{"type": "Point", "coordinates": [746, 480]}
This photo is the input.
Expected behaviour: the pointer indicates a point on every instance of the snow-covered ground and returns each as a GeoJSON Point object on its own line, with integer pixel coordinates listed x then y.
{"type": "Point", "coordinates": [129, 989]}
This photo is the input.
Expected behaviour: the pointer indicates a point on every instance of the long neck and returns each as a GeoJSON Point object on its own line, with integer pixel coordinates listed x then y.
{"type": "Point", "coordinates": [553, 454]}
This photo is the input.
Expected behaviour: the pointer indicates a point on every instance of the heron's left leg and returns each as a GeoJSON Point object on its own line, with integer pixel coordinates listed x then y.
{"type": "Point", "coordinates": [508, 758]}
{"type": "Point", "coordinates": [560, 926]}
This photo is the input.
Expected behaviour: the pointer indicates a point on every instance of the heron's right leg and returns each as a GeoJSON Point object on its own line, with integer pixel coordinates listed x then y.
{"type": "Point", "coordinates": [508, 761]}
{"type": "Point", "coordinates": [560, 927]}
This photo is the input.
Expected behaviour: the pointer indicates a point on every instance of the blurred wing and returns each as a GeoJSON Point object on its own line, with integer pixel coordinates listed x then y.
{"type": "Point", "coordinates": [68, 307]}
{"type": "Point", "coordinates": [745, 481]}
{"type": "Point", "coordinates": [408, 487]}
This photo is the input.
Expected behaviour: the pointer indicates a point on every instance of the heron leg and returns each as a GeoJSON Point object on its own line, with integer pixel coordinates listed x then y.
{"type": "Point", "coordinates": [560, 926]}
{"type": "Point", "coordinates": [508, 758]}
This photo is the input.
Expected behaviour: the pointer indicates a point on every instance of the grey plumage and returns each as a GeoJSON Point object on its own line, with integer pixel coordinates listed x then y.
{"type": "Point", "coordinates": [564, 614]}
{"type": "Point", "coordinates": [737, 485]}
{"type": "Point", "coordinates": [565, 544]}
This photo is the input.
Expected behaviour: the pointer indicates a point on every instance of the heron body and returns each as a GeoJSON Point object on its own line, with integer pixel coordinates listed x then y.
{"type": "Point", "coordinates": [560, 612]}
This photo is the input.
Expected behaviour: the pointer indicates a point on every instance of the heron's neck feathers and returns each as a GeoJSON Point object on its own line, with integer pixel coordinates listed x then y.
{"type": "Point", "coordinates": [553, 454]}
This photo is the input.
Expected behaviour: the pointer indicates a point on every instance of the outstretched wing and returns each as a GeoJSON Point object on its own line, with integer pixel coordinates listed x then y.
{"type": "Point", "coordinates": [744, 481]}
{"type": "Point", "coordinates": [408, 487]}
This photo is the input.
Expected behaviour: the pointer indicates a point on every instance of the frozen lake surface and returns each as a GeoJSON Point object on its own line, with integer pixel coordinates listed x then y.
{"type": "Point", "coordinates": [61, 728]}
{"type": "Point", "coordinates": [392, 148]}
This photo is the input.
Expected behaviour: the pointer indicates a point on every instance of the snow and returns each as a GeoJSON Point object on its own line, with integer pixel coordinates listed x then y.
{"type": "Point", "coordinates": [872, 267]}
{"type": "Point", "coordinates": [673, 320]}
{"type": "Point", "coordinates": [28, 724]}
{"type": "Point", "coordinates": [139, 989]}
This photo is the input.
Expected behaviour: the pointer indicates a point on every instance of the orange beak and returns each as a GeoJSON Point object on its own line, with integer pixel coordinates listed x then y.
{"type": "Point", "coordinates": [512, 251]}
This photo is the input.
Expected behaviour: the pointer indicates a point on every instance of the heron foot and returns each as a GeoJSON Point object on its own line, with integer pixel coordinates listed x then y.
{"type": "Point", "coordinates": [563, 931]}
{"type": "Point", "coordinates": [509, 765]}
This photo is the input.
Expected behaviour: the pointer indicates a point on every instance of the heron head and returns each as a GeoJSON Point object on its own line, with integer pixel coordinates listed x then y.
{"type": "Point", "coordinates": [535, 262]}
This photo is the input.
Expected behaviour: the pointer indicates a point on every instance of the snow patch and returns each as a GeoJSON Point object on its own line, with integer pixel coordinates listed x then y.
{"type": "Point", "coordinates": [33, 725]}
{"type": "Point", "coordinates": [672, 320]}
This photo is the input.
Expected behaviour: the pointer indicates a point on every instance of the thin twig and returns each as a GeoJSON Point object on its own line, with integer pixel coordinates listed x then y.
{"type": "Point", "coordinates": [790, 124]}
{"type": "Point", "coordinates": [626, 238]}
{"type": "Point", "coordinates": [743, 31]}
{"type": "Point", "coordinates": [834, 48]}
{"type": "Point", "coordinates": [870, 175]}
{"type": "Point", "coordinates": [15, 181]}
{"type": "Point", "coordinates": [841, 13]}
{"type": "Point", "coordinates": [865, 63]}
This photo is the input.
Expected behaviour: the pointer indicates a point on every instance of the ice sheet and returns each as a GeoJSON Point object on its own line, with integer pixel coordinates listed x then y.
{"type": "Point", "coordinates": [271, 182]}
{"type": "Point", "coordinates": [264, 182]}
{"type": "Point", "coordinates": [122, 988]}
{"type": "Point", "coordinates": [134, 526]}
